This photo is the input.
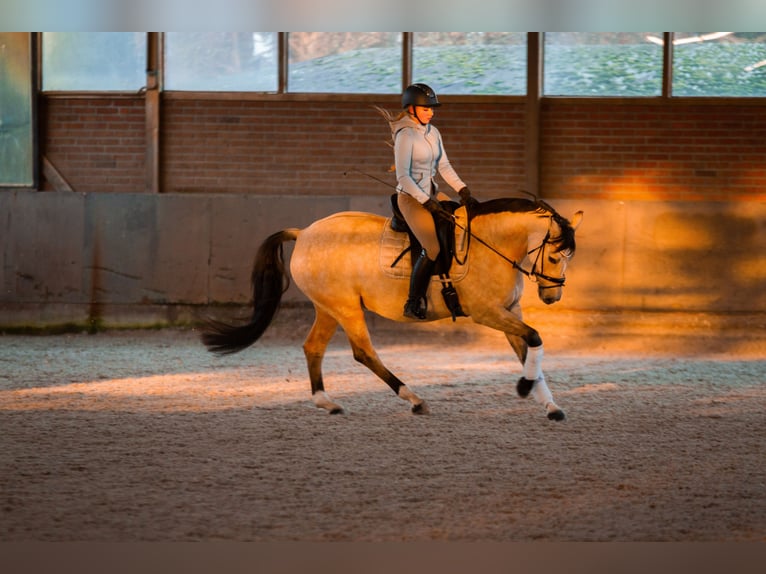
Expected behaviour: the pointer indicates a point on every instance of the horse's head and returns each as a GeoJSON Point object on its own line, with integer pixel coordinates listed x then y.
{"type": "Point", "coordinates": [551, 257]}
{"type": "Point", "coordinates": [549, 240]}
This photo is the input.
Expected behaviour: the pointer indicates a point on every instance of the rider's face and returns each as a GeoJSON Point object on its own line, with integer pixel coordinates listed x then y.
{"type": "Point", "coordinates": [423, 113]}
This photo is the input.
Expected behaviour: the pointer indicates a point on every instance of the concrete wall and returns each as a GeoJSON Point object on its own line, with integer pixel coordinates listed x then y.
{"type": "Point", "coordinates": [139, 259]}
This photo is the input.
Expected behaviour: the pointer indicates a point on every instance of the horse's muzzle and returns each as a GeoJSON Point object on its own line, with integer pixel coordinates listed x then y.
{"type": "Point", "coordinates": [549, 294]}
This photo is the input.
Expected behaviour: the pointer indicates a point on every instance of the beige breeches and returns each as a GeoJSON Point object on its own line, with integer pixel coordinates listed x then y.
{"type": "Point", "coordinates": [421, 222]}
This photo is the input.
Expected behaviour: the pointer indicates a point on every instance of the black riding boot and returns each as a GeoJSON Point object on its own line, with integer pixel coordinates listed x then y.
{"type": "Point", "coordinates": [416, 305]}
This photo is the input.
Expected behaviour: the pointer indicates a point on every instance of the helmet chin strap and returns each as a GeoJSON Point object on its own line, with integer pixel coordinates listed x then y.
{"type": "Point", "coordinates": [415, 115]}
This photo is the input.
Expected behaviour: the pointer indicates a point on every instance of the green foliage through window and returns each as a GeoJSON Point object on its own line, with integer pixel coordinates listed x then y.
{"type": "Point", "coordinates": [602, 64]}
{"type": "Point", "coordinates": [734, 65]}
{"type": "Point", "coordinates": [589, 64]}
{"type": "Point", "coordinates": [489, 63]}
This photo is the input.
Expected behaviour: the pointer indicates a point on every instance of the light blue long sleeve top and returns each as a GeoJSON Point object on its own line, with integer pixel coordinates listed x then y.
{"type": "Point", "coordinates": [418, 155]}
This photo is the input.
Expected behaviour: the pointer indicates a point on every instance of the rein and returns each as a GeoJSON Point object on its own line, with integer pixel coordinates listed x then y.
{"type": "Point", "coordinates": [532, 275]}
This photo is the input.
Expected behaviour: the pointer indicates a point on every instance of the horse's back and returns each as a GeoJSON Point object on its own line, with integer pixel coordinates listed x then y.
{"type": "Point", "coordinates": [347, 222]}
{"type": "Point", "coordinates": [341, 233]}
{"type": "Point", "coordinates": [338, 253]}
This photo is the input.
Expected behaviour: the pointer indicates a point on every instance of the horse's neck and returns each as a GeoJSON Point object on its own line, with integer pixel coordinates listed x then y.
{"type": "Point", "coordinates": [517, 233]}
{"type": "Point", "coordinates": [539, 227]}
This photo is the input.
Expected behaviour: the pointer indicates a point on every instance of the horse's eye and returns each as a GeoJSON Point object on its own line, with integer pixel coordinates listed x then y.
{"type": "Point", "coordinates": [552, 259]}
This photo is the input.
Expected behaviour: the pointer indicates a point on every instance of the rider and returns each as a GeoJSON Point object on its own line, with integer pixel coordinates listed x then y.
{"type": "Point", "coordinates": [418, 155]}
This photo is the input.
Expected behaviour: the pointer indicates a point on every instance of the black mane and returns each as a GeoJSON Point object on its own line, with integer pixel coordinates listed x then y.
{"type": "Point", "coordinates": [564, 242]}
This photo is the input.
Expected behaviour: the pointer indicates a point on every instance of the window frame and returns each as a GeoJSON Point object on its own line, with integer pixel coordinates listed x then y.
{"type": "Point", "coordinates": [535, 59]}
{"type": "Point", "coordinates": [39, 72]}
{"type": "Point", "coordinates": [34, 140]}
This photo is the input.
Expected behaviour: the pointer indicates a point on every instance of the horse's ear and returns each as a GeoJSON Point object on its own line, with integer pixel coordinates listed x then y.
{"type": "Point", "coordinates": [576, 220]}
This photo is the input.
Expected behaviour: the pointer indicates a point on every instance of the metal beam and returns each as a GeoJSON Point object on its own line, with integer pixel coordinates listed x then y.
{"type": "Point", "coordinates": [532, 151]}
{"type": "Point", "coordinates": [152, 107]}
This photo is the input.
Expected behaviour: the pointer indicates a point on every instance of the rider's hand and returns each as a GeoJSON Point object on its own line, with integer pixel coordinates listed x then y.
{"type": "Point", "coordinates": [466, 199]}
{"type": "Point", "coordinates": [437, 210]}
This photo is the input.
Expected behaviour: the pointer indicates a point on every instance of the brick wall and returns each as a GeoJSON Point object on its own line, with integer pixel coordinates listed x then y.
{"type": "Point", "coordinates": [654, 152]}
{"type": "Point", "coordinates": [96, 144]}
{"type": "Point", "coordinates": [305, 147]}
{"type": "Point", "coordinates": [612, 150]}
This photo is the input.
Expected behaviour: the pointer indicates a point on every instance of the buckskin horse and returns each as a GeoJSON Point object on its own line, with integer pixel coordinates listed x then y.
{"type": "Point", "coordinates": [340, 263]}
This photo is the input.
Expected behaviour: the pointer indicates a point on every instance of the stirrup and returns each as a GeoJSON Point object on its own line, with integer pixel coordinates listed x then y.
{"type": "Point", "coordinates": [414, 310]}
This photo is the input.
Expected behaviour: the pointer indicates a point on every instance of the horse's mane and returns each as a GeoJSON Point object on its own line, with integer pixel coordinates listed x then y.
{"type": "Point", "coordinates": [564, 242]}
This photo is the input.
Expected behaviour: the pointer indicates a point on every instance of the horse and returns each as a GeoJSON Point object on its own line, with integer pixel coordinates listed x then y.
{"type": "Point", "coordinates": [336, 263]}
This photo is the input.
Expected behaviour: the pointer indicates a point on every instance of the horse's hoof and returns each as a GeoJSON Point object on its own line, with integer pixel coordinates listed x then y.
{"type": "Point", "coordinates": [557, 415]}
{"type": "Point", "coordinates": [524, 386]}
{"type": "Point", "coordinates": [337, 411]}
{"type": "Point", "coordinates": [420, 409]}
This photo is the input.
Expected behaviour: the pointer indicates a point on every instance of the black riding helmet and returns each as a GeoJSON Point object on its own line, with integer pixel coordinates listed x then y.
{"type": "Point", "coordinates": [419, 95]}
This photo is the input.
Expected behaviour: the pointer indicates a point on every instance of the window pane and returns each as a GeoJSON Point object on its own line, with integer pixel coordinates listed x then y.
{"type": "Point", "coordinates": [603, 64]}
{"type": "Point", "coordinates": [471, 62]}
{"type": "Point", "coordinates": [221, 61]}
{"type": "Point", "coordinates": [349, 62]}
{"type": "Point", "coordinates": [16, 140]}
{"type": "Point", "coordinates": [719, 64]}
{"type": "Point", "coordinates": [94, 61]}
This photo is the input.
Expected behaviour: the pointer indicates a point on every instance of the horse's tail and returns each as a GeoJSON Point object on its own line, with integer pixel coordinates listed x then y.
{"type": "Point", "coordinates": [269, 282]}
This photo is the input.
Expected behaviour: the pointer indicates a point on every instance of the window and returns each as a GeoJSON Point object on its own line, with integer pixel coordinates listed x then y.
{"type": "Point", "coordinates": [221, 61]}
{"type": "Point", "coordinates": [602, 64]}
{"type": "Point", "coordinates": [94, 61]}
{"type": "Point", "coordinates": [719, 64]}
{"type": "Point", "coordinates": [471, 62]}
{"type": "Point", "coordinates": [16, 133]}
{"type": "Point", "coordinates": [345, 62]}
{"type": "Point", "coordinates": [584, 64]}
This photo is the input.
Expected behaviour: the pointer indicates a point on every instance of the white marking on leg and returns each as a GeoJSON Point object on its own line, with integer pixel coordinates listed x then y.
{"type": "Point", "coordinates": [533, 365]}
{"type": "Point", "coordinates": [322, 400]}
{"type": "Point", "coordinates": [406, 394]}
{"type": "Point", "coordinates": [543, 395]}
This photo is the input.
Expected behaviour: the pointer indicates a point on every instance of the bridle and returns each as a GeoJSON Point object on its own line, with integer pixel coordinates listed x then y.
{"type": "Point", "coordinates": [532, 274]}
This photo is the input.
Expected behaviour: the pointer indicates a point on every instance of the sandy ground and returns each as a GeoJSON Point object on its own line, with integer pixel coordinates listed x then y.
{"type": "Point", "coordinates": [145, 436]}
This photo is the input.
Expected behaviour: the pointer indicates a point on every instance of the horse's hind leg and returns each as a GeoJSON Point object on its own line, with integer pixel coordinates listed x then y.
{"type": "Point", "coordinates": [361, 345]}
{"type": "Point", "coordinates": [314, 348]}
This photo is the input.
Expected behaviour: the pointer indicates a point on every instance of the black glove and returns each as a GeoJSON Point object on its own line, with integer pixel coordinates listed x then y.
{"type": "Point", "coordinates": [466, 199]}
{"type": "Point", "coordinates": [437, 210]}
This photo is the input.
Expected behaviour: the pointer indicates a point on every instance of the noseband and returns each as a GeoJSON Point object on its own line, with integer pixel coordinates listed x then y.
{"type": "Point", "coordinates": [539, 272]}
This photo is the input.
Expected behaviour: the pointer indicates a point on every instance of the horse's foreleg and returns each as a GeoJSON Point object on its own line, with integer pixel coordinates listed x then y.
{"type": "Point", "coordinates": [361, 345]}
{"type": "Point", "coordinates": [533, 380]}
{"type": "Point", "coordinates": [528, 345]}
{"type": "Point", "coordinates": [314, 348]}
{"type": "Point", "coordinates": [518, 345]}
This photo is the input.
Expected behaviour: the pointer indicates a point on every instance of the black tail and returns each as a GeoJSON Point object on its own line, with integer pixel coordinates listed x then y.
{"type": "Point", "coordinates": [269, 282]}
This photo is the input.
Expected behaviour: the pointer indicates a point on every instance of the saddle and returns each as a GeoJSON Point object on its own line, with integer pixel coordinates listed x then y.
{"type": "Point", "coordinates": [445, 233]}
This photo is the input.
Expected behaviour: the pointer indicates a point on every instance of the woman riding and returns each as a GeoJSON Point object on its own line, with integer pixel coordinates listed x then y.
{"type": "Point", "coordinates": [418, 155]}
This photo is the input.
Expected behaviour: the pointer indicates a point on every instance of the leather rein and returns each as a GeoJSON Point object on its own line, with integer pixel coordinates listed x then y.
{"type": "Point", "coordinates": [532, 274]}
